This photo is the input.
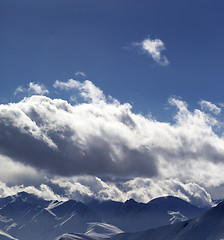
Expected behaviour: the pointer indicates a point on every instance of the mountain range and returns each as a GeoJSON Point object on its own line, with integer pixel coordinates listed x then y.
{"type": "Point", "coordinates": [209, 226]}
{"type": "Point", "coordinates": [25, 216]}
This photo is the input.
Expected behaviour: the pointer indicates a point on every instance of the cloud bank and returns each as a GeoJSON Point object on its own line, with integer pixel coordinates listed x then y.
{"type": "Point", "coordinates": [102, 149]}
{"type": "Point", "coordinates": [85, 188]}
{"type": "Point", "coordinates": [140, 189]}
{"type": "Point", "coordinates": [103, 137]}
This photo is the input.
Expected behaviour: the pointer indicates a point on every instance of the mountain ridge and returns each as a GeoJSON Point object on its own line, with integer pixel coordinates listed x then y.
{"type": "Point", "coordinates": [209, 226]}
{"type": "Point", "coordinates": [25, 216]}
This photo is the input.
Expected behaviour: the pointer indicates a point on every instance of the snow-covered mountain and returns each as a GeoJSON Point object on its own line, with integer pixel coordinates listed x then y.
{"type": "Point", "coordinates": [132, 216]}
{"type": "Point", "coordinates": [26, 216]}
{"type": "Point", "coordinates": [209, 226]}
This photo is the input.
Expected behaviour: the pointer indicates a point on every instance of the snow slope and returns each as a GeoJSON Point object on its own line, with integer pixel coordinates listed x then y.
{"type": "Point", "coordinates": [95, 231]}
{"type": "Point", "coordinates": [102, 230]}
{"type": "Point", "coordinates": [73, 236]}
{"type": "Point", "coordinates": [132, 216]}
{"type": "Point", "coordinates": [5, 236]}
{"type": "Point", "coordinates": [210, 226]}
{"type": "Point", "coordinates": [26, 217]}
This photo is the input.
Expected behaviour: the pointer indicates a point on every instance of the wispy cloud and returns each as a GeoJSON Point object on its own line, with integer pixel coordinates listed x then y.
{"type": "Point", "coordinates": [70, 84]}
{"type": "Point", "coordinates": [154, 47]}
{"type": "Point", "coordinates": [19, 89]}
{"type": "Point", "coordinates": [83, 188]}
{"type": "Point", "coordinates": [43, 191]}
{"type": "Point", "coordinates": [80, 74]}
{"type": "Point", "coordinates": [33, 88]}
{"type": "Point", "coordinates": [140, 189]}
{"type": "Point", "coordinates": [87, 89]}
{"type": "Point", "coordinates": [205, 105]}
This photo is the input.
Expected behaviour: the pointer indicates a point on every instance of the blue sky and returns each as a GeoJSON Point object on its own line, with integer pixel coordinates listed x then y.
{"type": "Point", "coordinates": [42, 41]}
{"type": "Point", "coordinates": [163, 58]}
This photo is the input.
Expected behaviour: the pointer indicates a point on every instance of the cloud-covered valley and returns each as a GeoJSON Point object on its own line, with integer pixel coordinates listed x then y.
{"type": "Point", "coordinates": [101, 137]}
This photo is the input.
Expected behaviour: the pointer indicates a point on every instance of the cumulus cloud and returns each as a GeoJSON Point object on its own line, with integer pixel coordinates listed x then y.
{"type": "Point", "coordinates": [103, 140]}
{"type": "Point", "coordinates": [205, 105]}
{"type": "Point", "coordinates": [154, 47]}
{"type": "Point", "coordinates": [102, 137]}
{"type": "Point", "coordinates": [67, 140]}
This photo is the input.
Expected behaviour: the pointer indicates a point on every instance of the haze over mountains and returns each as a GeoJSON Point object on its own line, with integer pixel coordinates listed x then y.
{"type": "Point", "coordinates": [25, 216]}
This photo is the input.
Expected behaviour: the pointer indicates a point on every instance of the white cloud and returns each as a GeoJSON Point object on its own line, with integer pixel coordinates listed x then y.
{"type": "Point", "coordinates": [80, 74]}
{"type": "Point", "coordinates": [140, 189]}
{"type": "Point", "coordinates": [205, 105]}
{"type": "Point", "coordinates": [84, 188]}
{"type": "Point", "coordinates": [154, 49]}
{"type": "Point", "coordinates": [40, 136]}
{"type": "Point", "coordinates": [15, 172]}
{"type": "Point", "coordinates": [87, 89]}
{"type": "Point", "coordinates": [43, 191]}
{"type": "Point", "coordinates": [39, 89]}
{"type": "Point", "coordinates": [19, 89]}
{"type": "Point", "coordinates": [102, 137]}
{"type": "Point", "coordinates": [34, 88]}
{"type": "Point", "coordinates": [70, 84]}
{"type": "Point", "coordinates": [147, 188]}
